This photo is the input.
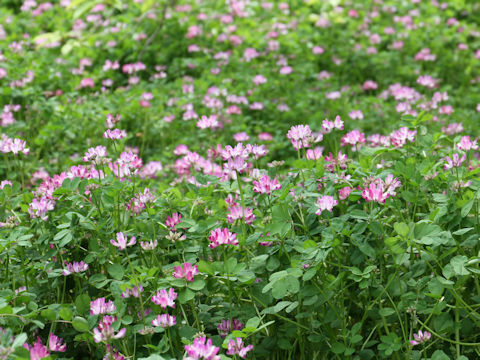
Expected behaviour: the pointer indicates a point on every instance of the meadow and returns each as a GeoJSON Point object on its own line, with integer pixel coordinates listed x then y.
{"type": "Point", "coordinates": [239, 179]}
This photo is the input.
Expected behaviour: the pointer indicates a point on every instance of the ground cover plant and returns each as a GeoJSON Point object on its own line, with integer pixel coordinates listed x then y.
{"type": "Point", "coordinates": [236, 179]}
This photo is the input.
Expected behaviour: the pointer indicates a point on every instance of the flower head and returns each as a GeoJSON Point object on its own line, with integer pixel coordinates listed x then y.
{"type": "Point", "coordinates": [420, 337]}
{"type": "Point", "coordinates": [266, 185]}
{"type": "Point", "coordinates": [121, 241]}
{"type": "Point", "coordinates": [164, 320]}
{"type": "Point", "coordinates": [222, 237]}
{"type": "Point", "coordinates": [105, 332]}
{"type": "Point", "coordinates": [99, 306]}
{"type": "Point", "coordinates": [55, 343]}
{"type": "Point", "coordinates": [300, 136]}
{"type": "Point", "coordinates": [238, 212]}
{"type": "Point", "coordinates": [187, 271]}
{"type": "Point", "coordinates": [236, 347]}
{"type": "Point", "coordinates": [76, 267]}
{"type": "Point", "coordinates": [454, 161]}
{"type": "Point", "coordinates": [115, 134]}
{"type": "Point", "coordinates": [37, 350]}
{"type": "Point", "coordinates": [202, 349]}
{"type": "Point", "coordinates": [226, 327]}
{"type": "Point", "coordinates": [325, 202]}
{"type": "Point", "coordinates": [164, 298]}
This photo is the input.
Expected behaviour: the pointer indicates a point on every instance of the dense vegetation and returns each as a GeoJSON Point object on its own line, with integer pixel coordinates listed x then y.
{"type": "Point", "coordinates": [239, 179]}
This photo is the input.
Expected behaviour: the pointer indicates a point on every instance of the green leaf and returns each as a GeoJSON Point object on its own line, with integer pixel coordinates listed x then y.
{"type": "Point", "coordinates": [80, 324]}
{"type": "Point", "coordinates": [458, 264]}
{"type": "Point", "coordinates": [292, 284]}
{"type": "Point", "coordinates": [253, 323]}
{"type": "Point", "coordinates": [462, 231]}
{"type": "Point", "coordinates": [440, 355]}
{"type": "Point", "coordinates": [338, 348]}
{"type": "Point", "coordinates": [279, 289]}
{"type": "Point", "coordinates": [49, 314]}
{"type": "Point", "coordinates": [66, 314]}
{"type": "Point", "coordinates": [466, 208]}
{"type": "Point", "coordinates": [197, 285]}
{"type": "Point", "coordinates": [205, 267]}
{"type": "Point", "coordinates": [61, 234]}
{"type": "Point", "coordinates": [281, 305]}
{"type": "Point", "coordinates": [185, 296]}
{"type": "Point", "coordinates": [116, 271]}
{"type": "Point", "coordinates": [402, 229]}
{"type": "Point", "coordinates": [6, 310]}
{"type": "Point", "coordinates": [386, 311]}
{"type": "Point", "coordinates": [19, 340]}
{"type": "Point", "coordinates": [82, 303]}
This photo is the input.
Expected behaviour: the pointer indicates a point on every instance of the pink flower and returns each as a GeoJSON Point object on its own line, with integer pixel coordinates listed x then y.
{"type": "Point", "coordinates": [194, 31]}
{"type": "Point", "coordinates": [5, 183]}
{"type": "Point", "coordinates": [374, 192]}
{"type": "Point", "coordinates": [454, 161]}
{"type": "Point", "coordinates": [328, 126]}
{"type": "Point", "coordinates": [427, 81]}
{"type": "Point", "coordinates": [314, 154]}
{"type": "Point", "coordinates": [164, 321]}
{"type": "Point", "coordinates": [379, 190]}
{"type": "Point", "coordinates": [222, 237]}
{"type": "Point", "coordinates": [88, 82]}
{"type": "Point", "coordinates": [445, 110]}
{"type": "Point", "coordinates": [121, 242]}
{"type": "Point", "coordinates": [420, 337]}
{"type": "Point", "coordinates": [259, 79]}
{"type": "Point", "coordinates": [343, 193]}
{"type": "Point", "coordinates": [453, 128]}
{"type": "Point", "coordinates": [165, 299]}
{"type": "Point", "coordinates": [104, 331]}
{"type": "Point", "coordinates": [354, 138]}
{"type": "Point", "coordinates": [237, 212]}
{"type": "Point", "coordinates": [152, 244]}
{"type": "Point", "coordinates": [425, 55]}
{"type": "Point", "coordinates": [173, 221]}
{"type": "Point", "coordinates": [225, 327]}
{"type": "Point", "coordinates": [38, 350]}
{"type": "Point", "coordinates": [55, 343]}
{"type": "Point", "coordinates": [186, 271]}
{"type": "Point", "coordinates": [14, 146]}
{"type": "Point", "coordinates": [317, 50]}
{"type": "Point", "coordinates": [76, 267]}
{"type": "Point", "coordinates": [264, 136]}
{"type": "Point", "coordinates": [208, 122]}
{"type": "Point", "coordinates": [285, 70]}
{"type": "Point", "coordinates": [40, 207]}
{"type": "Point", "coordinates": [96, 154]}
{"type": "Point", "coordinates": [399, 137]}
{"type": "Point", "coordinates": [134, 291]}
{"type": "Point", "coordinates": [112, 120]}
{"type": "Point", "coordinates": [466, 144]}
{"type": "Point", "coordinates": [356, 114]}
{"type": "Point", "coordinates": [390, 184]}
{"type": "Point", "coordinates": [115, 134]}
{"type": "Point", "coordinates": [266, 185]}
{"type": "Point", "coordinates": [369, 85]}
{"type": "Point", "coordinates": [236, 347]}
{"type": "Point", "coordinates": [242, 136]}
{"type": "Point", "coordinates": [325, 202]}
{"type": "Point", "coordinates": [300, 136]}
{"type": "Point", "coordinates": [250, 54]}
{"type": "Point", "coordinates": [150, 170]}
{"type": "Point", "coordinates": [99, 306]}
{"type": "Point", "coordinates": [202, 349]}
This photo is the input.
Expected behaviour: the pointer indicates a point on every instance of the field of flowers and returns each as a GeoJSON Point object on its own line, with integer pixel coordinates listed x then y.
{"type": "Point", "coordinates": [239, 179]}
